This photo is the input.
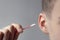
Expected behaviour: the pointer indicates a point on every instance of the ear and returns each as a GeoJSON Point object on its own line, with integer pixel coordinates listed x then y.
{"type": "Point", "coordinates": [42, 22]}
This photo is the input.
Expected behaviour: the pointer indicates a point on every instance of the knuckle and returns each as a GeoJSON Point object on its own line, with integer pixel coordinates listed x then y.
{"type": "Point", "coordinates": [7, 34]}
{"type": "Point", "coordinates": [12, 27]}
{"type": "Point", "coordinates": [17, 27]}
{"type": "Point", "coordinates": [1, 33]}
{"type": "Point", "coordinates": [7, 31]}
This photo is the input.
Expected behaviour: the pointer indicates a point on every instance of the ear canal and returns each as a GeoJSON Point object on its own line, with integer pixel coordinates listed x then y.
{"type": "Point", "coordinates": [43, 23]}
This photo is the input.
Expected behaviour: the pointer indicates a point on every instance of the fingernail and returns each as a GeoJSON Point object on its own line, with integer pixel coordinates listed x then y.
{"type": "Point", "coordinates": [20, 30]}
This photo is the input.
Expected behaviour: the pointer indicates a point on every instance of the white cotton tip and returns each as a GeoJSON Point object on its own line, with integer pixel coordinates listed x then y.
{"type": "Point", "coordinates": [32, 25]}
{"type": "Point", "coordinates": [29, 26]}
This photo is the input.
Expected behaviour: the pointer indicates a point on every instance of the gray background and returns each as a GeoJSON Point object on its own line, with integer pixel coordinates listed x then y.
{"type": "Point", "coordinates": [23, 12]}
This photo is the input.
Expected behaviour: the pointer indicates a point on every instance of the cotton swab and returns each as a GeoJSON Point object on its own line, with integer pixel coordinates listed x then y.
{"type": "Point", "coordinates": [29, 26]}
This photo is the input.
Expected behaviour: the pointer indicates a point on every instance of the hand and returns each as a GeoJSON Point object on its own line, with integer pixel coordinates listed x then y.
{"type": "Point", "coordinates": [11, 32]}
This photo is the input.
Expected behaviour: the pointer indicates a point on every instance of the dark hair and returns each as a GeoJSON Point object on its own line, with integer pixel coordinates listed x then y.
{"type": "Point", "coordinates": [47, 6]}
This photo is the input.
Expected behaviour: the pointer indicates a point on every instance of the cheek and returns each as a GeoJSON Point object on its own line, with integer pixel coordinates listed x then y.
{"type": "Point", "coordinates": [55, 23]}
{"type": "Point", "coordinates": [55, 28]}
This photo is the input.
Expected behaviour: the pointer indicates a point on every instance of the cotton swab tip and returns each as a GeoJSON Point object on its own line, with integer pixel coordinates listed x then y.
{"type": "Point", "coordinates": [32, 25]}
{"type": "Point", "coordinates": [29, 26]}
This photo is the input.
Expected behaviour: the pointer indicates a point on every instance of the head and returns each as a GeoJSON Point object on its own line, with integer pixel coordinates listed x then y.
{"type": "Point", "coordinates": [49, 18]}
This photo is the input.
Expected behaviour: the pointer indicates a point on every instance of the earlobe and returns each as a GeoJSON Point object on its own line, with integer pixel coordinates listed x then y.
{"type": "Point", "coordinates": [42, 23]}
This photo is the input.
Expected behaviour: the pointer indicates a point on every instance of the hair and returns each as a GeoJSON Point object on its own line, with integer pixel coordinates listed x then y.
{"type": "Point", "coordinates": [47, 6]}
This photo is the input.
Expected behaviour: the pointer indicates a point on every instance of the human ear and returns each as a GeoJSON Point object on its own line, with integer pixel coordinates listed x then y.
{"type": "Point", "coordinates": [42, 22]}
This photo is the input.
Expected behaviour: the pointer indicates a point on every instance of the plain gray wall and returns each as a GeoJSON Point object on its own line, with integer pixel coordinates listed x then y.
{"type": "Point", "coordinates": [23, 12]}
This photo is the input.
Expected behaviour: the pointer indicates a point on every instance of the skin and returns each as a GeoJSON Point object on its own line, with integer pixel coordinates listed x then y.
{"type": "Point", "coordinates": [47, 25]}
{"type": "Point", "coordinates": [11, 32]}
{"type": "Point", "coordinates": [51, 26]}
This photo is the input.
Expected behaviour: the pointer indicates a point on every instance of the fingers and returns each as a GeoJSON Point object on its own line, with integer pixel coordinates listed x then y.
{"type": "Point", "coordinates": [18, 27]}
{"type": "Point", "coordinates": [16, 34]}
{"type": "Point", "coordinates": [7, 34]}
{"type": "Point", "coordinates": [17, 30]}
{"type": "Point", "coordinates": [12, 32]}
{"type": "Point", "coordinates": [12, 29]}
{"type": "Point", "coordinates": [1, 35]}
